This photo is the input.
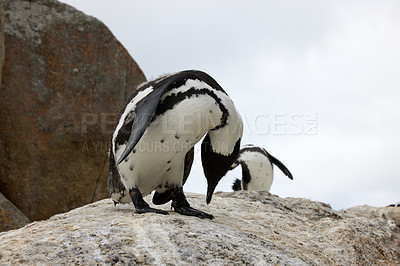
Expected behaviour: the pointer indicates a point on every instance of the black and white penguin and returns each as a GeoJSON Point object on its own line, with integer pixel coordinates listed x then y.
{"type": "Point", "coordinates": [152, 144]}
{"type": "Point", "coordinates": [257, 169]}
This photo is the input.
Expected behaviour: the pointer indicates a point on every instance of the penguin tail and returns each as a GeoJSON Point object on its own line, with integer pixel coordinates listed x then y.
{"type": "Point", "coordinates": [280, 166]}
{"type": "Point", "coordinates": [237, 185]}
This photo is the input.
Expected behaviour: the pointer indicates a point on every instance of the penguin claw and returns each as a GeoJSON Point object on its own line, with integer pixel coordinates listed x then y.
{"type": "Point", "coordinates": [151, 210]}
{"type": "Point", "coordinates": [182, 206]}
{"type": "Point", "coordinates": [189, 211]}
{"type": "Point", "coordinates": [140, 205]}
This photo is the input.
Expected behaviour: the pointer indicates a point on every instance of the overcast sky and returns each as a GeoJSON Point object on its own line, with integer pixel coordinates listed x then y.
{"type": "Point", "coordinates": [317, 83]}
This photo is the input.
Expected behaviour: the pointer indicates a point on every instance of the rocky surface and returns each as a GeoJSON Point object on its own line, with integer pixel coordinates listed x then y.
{"type": "Point", "coordinates": [254, 228]}
{"type": "Point", "coordinates": [2, 51]}
{"type": "Point", "coordinates": [64, 79]}
{"type": "Point", "coordinates": [388, 213]}
{"type": "Point", "coordinates": [10, 216]}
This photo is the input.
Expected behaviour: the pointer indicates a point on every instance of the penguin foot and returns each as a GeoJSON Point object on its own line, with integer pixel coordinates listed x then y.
{"type": "Point", "coordinates": [189, 211]}
{"type": "Point", "coordinates": [182, 206]}
{"type": "Point", "coordinates": [149, 209]}
{"type": "Point", "coordinates": [140, 205]}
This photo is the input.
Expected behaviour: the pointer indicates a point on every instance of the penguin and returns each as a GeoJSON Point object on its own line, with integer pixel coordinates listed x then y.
{"type": "Point", "coordinates": [152, 144]}
{"type": "Point", "coordinates": [257, 169]}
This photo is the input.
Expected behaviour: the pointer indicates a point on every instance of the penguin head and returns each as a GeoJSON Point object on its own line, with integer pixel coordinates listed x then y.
{"type": "Point", "coordinates": [216, 162]}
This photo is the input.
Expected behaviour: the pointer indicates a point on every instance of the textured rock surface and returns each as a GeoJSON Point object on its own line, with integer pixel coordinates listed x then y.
{"type": "Point", "coordinates": [389, 213]}
{"type": "Point", "coordinates": [256, 228]}
{"type": "Point", "coordinates": [64, 79]}
{"type": "Point", "coordinates": [10, 216]}
{"type": "Point", "coordinates": [2, 51]}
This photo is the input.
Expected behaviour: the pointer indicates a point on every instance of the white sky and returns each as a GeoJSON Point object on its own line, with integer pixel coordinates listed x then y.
{"type": "Point", "coordinates": [317, 83]}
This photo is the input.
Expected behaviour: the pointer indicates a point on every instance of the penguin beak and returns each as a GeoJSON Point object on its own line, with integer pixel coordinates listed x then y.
{"type": "Point", "coordinates": [210, 190]}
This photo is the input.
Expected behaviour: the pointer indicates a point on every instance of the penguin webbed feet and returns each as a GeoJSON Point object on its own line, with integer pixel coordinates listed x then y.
{"type": "Point", "coordinates": [140, 205]}
{"type": "Point", "coordinates": [189, 211]}
{"type": "Point", "coordinates": [150, 209]}
{"type": "Point", "coordinates": [182, 206]}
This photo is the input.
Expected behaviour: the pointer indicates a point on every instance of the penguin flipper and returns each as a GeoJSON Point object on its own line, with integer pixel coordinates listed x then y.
{"type": "Point", "coordinates": [280, 166]}
{"type": "Point", "coordinates": [144, 112]}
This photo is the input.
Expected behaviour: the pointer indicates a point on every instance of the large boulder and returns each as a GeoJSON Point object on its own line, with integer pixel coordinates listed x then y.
{"type": "Point", "coordinates": [10, 216]}
{"type": "Point", "coordinates": [64, 79]}
{"type": "Point", "coordinates": [250, 228]}
{"type": "Point", "coordinates": [390, 213]}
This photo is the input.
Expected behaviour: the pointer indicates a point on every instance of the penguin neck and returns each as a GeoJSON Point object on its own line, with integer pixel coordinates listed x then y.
{"type": "Point", "coordinates": [221, 145]}
{"type": "Point", "coordinates": [223, 139]}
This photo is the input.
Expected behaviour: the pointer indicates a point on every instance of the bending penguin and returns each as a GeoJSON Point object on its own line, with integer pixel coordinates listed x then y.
{"type": "Point", "coordinates": [257, 169]}
{"type": "Point", "coordinates": [152, 144]}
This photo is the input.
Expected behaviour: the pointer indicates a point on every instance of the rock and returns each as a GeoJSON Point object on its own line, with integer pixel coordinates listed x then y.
{"type": "Point", "coordinates": [254, 228]}
{"type": "Point", "coordinates": [389, 213]}
{"type": "Point", "coordinates": [10, 216]}
{"type": "Point", "coordinates": [2, 52]}
{"type": "Point", "coordinates": [64, 79]}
